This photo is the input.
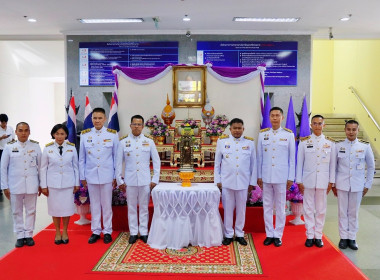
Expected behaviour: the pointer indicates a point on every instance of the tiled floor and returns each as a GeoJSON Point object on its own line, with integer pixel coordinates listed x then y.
{"type": "Point", "coordinates": [367, 258]}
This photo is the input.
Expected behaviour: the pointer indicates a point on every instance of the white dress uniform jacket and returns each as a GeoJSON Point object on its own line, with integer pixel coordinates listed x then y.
{"type": "Point", "coordinates": [235, 163]}
{"type": "Point", "coordinates": [316, 162]}
{"type": "Point", "coordinates": [136, 152]}
{"type": "Point", "coordinates": [352, 158]}
{"type": "Point", "coordinates": [19, 167]}
{"type": "Point", "coordinates": [59, 171]}
{"type": "Point", "coordinates": [276, 155]}
{"type": "Point", "coordinates": [8, 131]}
{"type": "Point", "coordinates": [97, 155]}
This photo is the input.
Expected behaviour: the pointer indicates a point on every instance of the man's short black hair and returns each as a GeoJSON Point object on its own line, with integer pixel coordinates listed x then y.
{"type": "Point", "coordinates": [236, 120]}
{"type": "Point", "coordinates": [276, 109]}
{"type": "Point", "coordinates": [318, 116]}
{"type": "Point", "coordinates": [58, 127]}
{"type": "Point", "coordinates": [351, 122]}
{"type": "Point", "coordinates": [139, 117]}
{"type": "Point", "coordinates": [3, 118]}
{"type": "Point", "coordinates": [22, 123]}
{"type": "Point", "coordinates": [99, 110]}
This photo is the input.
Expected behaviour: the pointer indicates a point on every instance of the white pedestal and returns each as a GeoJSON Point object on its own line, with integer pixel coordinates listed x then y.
{"type": "Point", "coordinates": [297, 209]}
{"type": "Point", "coordinates": [82, 211]}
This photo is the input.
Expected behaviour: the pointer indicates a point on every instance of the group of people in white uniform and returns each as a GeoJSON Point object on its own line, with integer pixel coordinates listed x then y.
{"type": "Point", "coordinates": [345, 167]}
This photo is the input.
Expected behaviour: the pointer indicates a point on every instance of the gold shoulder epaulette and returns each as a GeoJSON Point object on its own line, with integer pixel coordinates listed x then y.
{"type": "Point", "coordinates": [71, 144]}
{"type": "Point", "coordinates": [264, 129]}
{"type": "Point", "coordinates": [331, 139]}
{"type": "Point", "coordinates": [288, 130]}
{"type": "Point", "coordinates": [339, 141]}
{"type": "Point", "coordinates": [33, 141]}
{"type": "Point", "coordinates": [123, 137]}
{"type": "Point", "coordinates": [362, 141]}
{"type": "Point", "coordinates": [86, 130]}
{"type": "Point", "coordinates": [249, 138]}
{"type": "Point", "coordinates": [111, 130]}
{"type": "Point", "coordinates": [13, 141]}
{"type": "Point", "coordinates": [224, 136]}
{"type": "Point", "coordinates": [148, 136]}
{"type": "Point", "coordinates": [49, 144]}
{"type": "Point", "coordinates": [304, 138]}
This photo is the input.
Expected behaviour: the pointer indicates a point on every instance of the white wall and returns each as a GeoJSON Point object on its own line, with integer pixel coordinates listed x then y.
{"type": "Point", "coordinates": [32, 85]}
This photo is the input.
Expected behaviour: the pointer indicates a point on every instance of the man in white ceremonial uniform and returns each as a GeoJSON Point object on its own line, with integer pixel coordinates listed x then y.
{"type": "Point", "coordinates": [97, 158]}
{"type": "Point", "coordinates": [315, 176]}
{"type": "Point", "coordinates": [6, 135]}
{"type": "Point", "coordinates": [352, 182]}
{"type": "Point", "coordinates": [20, 182]}
{"type": "Point", "coordinates": [235, 173]}
{"type": "Point", "coordinates": [136, 150]}
{"type": "Point", "coordinates": [276, 173]}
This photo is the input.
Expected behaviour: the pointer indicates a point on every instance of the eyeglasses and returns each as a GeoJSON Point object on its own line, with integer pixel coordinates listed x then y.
{"type": "Point", "coordinates": [137, 124]}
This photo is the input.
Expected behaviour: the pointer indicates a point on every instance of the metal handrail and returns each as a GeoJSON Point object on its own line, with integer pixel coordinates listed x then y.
{"type": "Point", "coordinates": [365, 107]}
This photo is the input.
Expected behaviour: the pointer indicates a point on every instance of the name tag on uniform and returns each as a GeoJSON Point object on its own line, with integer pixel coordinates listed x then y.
{"type": "Point", "coordinates": [283, 139]}
{"type": "Point", "coordinates": [50, 151]}
{"type": "Point", "coordinates": [69, 151]}
{"type": "Point", "coordinates": [326, 146]}
{"type": "Point", "coordinates": [15, 150]}
{"type": "Point", "coordinates": [310, 146]}
{"type": "Point", "coordinates": [30, 151]}
{"type": "Point", "coordinates": [145, 144]}
{"type": "Point", "coordinates": [107, 140]}
{"type": "Point", "coordinates": [245, 148]}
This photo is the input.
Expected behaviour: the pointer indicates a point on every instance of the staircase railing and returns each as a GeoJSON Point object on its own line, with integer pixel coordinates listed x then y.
{"type": "Point", "coordinates": [353, 90]}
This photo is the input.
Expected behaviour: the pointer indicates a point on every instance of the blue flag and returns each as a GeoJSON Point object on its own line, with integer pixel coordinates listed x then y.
{"type": "Point", "coordinates": [113, 120]}
{"type": "Point", "coordinates": [87, 114]}
{"type": "Point", "coordinates": [266, 121]}
{"type": "Point", "coordinates": [290, 120]}
{"type": "Point", "coordinates": [72, 122]}
{"type": "Point", "coordinates": [304, 123]}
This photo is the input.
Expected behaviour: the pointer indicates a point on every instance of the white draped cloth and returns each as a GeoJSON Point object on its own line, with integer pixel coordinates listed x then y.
{"type": "Point", "coordinates": [185, 215]}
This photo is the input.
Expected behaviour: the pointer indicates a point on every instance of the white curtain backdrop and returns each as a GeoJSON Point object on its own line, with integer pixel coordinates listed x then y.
{"type": "Point", "coordinates": [234, 100]}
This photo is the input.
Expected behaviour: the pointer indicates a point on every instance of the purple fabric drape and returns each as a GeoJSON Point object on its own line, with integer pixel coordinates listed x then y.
{"type": "Point", "coordinates": [233, 72]}
{"type": "Point", "coordinates": [141, 73]}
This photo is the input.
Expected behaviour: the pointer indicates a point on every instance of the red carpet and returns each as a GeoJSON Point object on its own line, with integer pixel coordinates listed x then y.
{"type": "Point", "coordinates": [76, 260]}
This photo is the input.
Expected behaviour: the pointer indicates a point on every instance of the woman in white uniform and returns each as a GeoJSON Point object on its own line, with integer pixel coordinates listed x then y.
{"type": "Point", "coordinates": [59, 179]}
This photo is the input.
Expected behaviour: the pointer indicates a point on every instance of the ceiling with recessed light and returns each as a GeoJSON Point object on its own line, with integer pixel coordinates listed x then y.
{"type": "Point", "coordinates": [56, 17]}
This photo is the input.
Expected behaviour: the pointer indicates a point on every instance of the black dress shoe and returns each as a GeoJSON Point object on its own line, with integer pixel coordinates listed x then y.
{"type": "Point", "coordinates": [241, 241]}
{"type": "Point", "coordinates": [318, 243]}
{"type": "Point", "coordinates": [19, 243]}
{"type": "Point", "coordinates": [268, 241]}
{"type": "Point", "coordinates": [107, 238]}
{"type": "Point", "coordinates": [144, 238]}
{"type": "Point", "coordinates": [93, 238]}
{"type": "Point", "coordinates": [29, 241]}
{"type": "Point", "coordinates": [277, 242]}
{"type": "Point", "coordinates": [58, 242]}
{"type": "Point", "coordinates": [309, 242]}
{"type": "Point", "coordinates": [65, 241]}
{"type": "Point", "coordinates": [343, 244]}
{"type": "Point", "coordinates": [227, 241]}
{"type": "Point", "coordinates": [133, 239]}
{"type": "Point", "coordinates": [352, 244]}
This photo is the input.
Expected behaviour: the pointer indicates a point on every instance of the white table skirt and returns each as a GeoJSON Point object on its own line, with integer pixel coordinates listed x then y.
{"type": "Point", "coordinates": [184, 216]}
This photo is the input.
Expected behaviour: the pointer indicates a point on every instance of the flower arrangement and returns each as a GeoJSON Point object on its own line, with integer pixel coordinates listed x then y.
{"type": "Point", "coordinates": [294, 194]}
{"type": "Point", "coordinates": [192, 123]}
{"type": "Point", "coordinates": [152, 121]}
{"type": "Point", "coordinates": [81, 197]}
{"type": "Point", "coordinates": [160, 129]}
{"type": "Point", "coordinates": [221, 120]}
{"type": "Point", "coordinates": [119, 197]}
{"type": "Point", "coordinates": [213, 130]}
{"type": "Point", "coordinates": [256, 197]}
